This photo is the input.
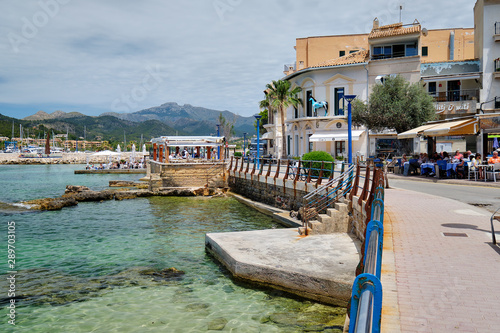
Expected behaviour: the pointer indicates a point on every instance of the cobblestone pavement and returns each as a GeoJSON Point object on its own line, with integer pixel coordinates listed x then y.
{"type": "Point", "coordinates": [440, 269]}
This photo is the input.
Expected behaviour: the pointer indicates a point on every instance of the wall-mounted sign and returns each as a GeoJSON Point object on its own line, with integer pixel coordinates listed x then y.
{"type": "Point", "coordinates": [464, 107]}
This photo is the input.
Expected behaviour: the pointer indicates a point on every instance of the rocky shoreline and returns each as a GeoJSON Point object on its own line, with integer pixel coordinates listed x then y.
{"type": "Point", "coordinates": [75, 194]}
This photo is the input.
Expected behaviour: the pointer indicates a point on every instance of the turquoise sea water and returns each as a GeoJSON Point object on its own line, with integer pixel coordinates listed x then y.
{"type": "Point", "coordinates": [103, 267]}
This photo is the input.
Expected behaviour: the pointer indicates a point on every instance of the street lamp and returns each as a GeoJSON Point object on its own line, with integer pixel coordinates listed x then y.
{"type": "Point", "coordinates": [244, 144]}
{"type": "Point", "coordinates": [349, 99]}
{"type": "Point", "coordinates": [218, 147]}
{"type": "Point", "coordinates": [258, 138]}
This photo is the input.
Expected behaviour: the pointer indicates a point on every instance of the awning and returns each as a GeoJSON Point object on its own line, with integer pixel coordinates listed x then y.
{"type": "Point", "coordinates": [267, 136]}
{"type": "Point", "coordinates": [414, 132]}
{"type": "Point", "coordinates": [457, 127]}
{"type": "Point", "coordinates": [334, 136]}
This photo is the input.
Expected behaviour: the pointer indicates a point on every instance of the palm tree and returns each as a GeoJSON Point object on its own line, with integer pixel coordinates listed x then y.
{"type": "Point", "coordinates": [279, 96]}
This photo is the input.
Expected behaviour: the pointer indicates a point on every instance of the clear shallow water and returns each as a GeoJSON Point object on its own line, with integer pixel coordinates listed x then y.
{"type": "Point", "coordinates": [83, 269]}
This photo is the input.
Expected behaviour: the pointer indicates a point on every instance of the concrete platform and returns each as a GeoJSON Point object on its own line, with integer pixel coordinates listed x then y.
{"type": "Point", "coordinates": [318, 267]}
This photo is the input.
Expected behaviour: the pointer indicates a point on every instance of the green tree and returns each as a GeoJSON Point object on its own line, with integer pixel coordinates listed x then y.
{"type": "Point", "coordinates": [279, 96]}
{"type": "Point", "coordinates": [395, 104]}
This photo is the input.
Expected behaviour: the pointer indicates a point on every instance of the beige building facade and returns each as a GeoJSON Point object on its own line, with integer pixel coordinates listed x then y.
{"type": "Point", "coordinates": [459, 67]}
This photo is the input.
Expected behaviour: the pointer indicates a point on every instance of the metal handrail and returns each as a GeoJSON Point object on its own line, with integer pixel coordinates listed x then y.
{"type": "Point", "coordinates": [324, 196]}
{"type": "Point", "coordinates": [366, 302]}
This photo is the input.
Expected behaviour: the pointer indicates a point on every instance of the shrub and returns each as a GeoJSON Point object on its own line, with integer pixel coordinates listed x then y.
{"type": "Point", "coordinates": [317, 157]}
{"type": "Point", "coordinates": [238, 154]}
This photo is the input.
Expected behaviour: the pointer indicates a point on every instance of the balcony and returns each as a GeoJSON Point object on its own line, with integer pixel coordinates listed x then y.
{"type": "Point", "coordinates": [496, 36]}
{"type": "Point", "coordinates": [456, 95]}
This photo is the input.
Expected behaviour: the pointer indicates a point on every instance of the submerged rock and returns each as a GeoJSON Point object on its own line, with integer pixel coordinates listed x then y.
{"type": "Point", "coordinates": [46, 286]}
{"type": "Point", "coordinates": [217, 324]}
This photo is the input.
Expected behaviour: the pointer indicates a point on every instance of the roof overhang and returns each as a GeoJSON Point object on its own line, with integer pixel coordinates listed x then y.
{"type": "Point", "coordinates": [452, 128]}
{"type": "Point", "coordinates": [468, 76]}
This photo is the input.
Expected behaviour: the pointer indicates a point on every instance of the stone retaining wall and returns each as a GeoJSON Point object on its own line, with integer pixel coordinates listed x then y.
{"type": "Point", "coordinates": [186, 174]}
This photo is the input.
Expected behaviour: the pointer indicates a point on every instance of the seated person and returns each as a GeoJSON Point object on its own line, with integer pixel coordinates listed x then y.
{"type": "Point", "coordinates": [475, 161]}
{"type": "Point", "coordinates": [446, 157]}
{"type": "Point", "coordinates": [404, 159]}
{"type": "Point", "coordinates": [494, 159]}
{"type": "Point", "coordinates": [460, 170]}
{"type": "Point", "coordinates": [458, 155]}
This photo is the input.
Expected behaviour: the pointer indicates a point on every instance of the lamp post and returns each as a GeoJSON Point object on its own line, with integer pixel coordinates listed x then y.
{"type": "Point", "coordinates": [349, 99]}
{"type": "Point", "coordinates": [258, 138]}
{"type": "Point", "coordinates": [218, 147]}
{"type": "Point", "coordinates": [244, 144]}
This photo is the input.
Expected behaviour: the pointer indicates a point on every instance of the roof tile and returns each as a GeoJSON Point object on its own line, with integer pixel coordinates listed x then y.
{"type": "Point", "coordinates": [348, 59]}
{"type": "Point", "coordinates": [395, 29]}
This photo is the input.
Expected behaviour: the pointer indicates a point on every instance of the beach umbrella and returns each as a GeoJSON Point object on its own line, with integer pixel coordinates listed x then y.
{"type": "Point", "coordinates": [118, 149]}
{"type": "Point", "coordinates": [144, 152]}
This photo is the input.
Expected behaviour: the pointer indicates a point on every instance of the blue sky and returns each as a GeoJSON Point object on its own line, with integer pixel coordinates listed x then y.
{"type": "Point", "coordinates": [96, 56]}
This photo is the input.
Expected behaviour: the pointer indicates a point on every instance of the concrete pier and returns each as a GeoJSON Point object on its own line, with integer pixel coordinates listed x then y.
{"type": "Point", "coordinates": [318, 267]}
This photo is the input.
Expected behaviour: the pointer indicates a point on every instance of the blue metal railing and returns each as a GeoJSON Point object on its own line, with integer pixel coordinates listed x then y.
{"type": "Point", "coordinates": [366, 300]}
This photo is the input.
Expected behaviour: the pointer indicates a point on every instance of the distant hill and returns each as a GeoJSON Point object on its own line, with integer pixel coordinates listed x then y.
{"type": "Point", "coordinates": [42, 115]}
{"type": "Point", "coordinates": [192, 119]}
{"type": "Point", "coordinates": [166, 119]}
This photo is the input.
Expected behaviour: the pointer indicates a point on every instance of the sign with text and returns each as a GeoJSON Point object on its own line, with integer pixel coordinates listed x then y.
{"type": "Point", "coordinates": [463, 107]}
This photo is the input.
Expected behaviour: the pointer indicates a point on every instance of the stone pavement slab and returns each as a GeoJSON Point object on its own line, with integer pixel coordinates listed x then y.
{"type": "Point", "coordinates": [319, 267]}
{"type": "Point", "coordinates": [442, 273]}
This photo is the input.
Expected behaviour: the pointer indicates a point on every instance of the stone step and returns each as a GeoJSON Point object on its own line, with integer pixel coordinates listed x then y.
{"type": "Point", "coordinates": [341, 207]}
{"type": "Point", "coordinates": [325, 218]}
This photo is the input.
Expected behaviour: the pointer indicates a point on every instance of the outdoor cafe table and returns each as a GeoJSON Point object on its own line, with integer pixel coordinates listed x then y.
{"type": "Point", "coordinates": [426, 168]}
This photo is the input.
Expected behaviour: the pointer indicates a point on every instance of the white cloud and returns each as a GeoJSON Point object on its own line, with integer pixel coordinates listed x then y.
{"type": "Point", "coordinates": [217, 53]}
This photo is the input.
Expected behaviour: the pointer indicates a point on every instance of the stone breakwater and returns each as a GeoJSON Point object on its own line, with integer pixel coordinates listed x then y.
{"type": "Point", "coordinates": [64, 158]}
{"type": "Point", "coordinates": [75, 194]}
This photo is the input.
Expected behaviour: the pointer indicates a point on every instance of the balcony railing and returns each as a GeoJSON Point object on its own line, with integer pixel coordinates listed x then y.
{"type": "Point", "coordinates": [497, 28]}
{"type": "Point", "coordinates": [497, 65]}
{"type": "Point", "coordinates": [456, 95]}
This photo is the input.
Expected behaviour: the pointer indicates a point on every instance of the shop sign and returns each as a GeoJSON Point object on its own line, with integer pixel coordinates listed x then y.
{"type": "Point", "coordinates": [456, 107]}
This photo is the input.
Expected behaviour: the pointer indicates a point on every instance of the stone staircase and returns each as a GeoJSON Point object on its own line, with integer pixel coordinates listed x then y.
{"type": "Point", "coordinates": [335, 220]}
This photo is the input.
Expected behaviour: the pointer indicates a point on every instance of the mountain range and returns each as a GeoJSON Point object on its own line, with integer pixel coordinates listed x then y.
{"type": "Point", "coordinates": [166, 119]}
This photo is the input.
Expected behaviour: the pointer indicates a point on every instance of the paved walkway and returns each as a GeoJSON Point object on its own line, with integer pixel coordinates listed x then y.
{"type": "Point", "coordinates": [435, 282]}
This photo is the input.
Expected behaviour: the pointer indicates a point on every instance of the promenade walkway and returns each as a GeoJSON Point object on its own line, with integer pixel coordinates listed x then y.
{"type": "Point", "coordinates": [440, 269]}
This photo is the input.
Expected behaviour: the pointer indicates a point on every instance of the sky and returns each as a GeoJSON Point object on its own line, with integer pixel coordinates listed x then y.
{"type": "Point", "coordinates": [96, 56]}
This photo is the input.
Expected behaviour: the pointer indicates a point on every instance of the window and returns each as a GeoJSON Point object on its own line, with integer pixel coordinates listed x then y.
{"type": "Point", "coordinates": [352, 51]}
{"type": "Point", "coordinates": [432, 88]}
{"type": "Point", "coordinates": [288, 144]}
{"type": "Point", "coordinates": [311, 144]}
{"type": "Point", "coordinates": [341, 53]}
{"type": "Point", "coordinates": [425, 51]}
{"type": "Point", "coordinates": [296, 112]}
{"type": "Point", "coordinates": [309, 103]}
{"type": "Point", "coordinates": [395, 51]}
{"type": "Point", "coordinates": [339, 101]}
{"type": "Point", "coordinates": [339, 148]}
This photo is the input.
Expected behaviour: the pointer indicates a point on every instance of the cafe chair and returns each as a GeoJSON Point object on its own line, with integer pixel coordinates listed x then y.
{"type": "Point", "coordinates": [474, 172]}
{"type": "Point", "coordinates": [441, 166]}
{"type": "Point", "coordinates": [494, 170]}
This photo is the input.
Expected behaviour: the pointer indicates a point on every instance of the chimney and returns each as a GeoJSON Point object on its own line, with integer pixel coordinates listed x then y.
{"type": "Point", "coordinates": [375, 24]}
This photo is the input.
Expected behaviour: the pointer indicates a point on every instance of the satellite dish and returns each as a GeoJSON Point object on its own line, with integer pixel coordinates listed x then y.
{"type": "Point", "coordinates": [425, 32]}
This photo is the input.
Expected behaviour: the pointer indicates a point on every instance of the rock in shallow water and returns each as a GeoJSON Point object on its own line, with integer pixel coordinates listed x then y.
{"type": "Point", "coordinates": [217, 324]}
